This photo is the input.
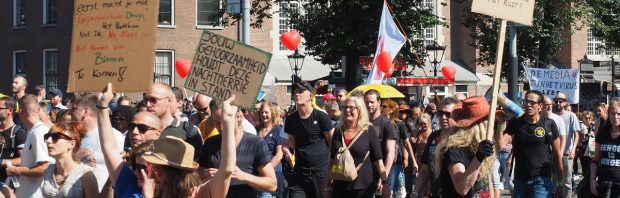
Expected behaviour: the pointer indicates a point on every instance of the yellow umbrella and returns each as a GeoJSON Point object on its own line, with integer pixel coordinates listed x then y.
{"type": "Point", "coordinates": [386, 91]}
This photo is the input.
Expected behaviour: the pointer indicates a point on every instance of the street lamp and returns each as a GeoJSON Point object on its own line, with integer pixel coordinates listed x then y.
{"type": "Point", "coordinates": [436, 50]}
{"type": "Point", "coordinates": [296, 62]}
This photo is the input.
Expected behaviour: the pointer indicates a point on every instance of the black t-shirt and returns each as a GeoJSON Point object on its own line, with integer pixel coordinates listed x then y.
{"type": "Point", "coordinates": [609, 169]}
{"type": "Point", "coordinates": [428, 158]}
{"type": "Point", "coordinates": [9, 150]}
{"type": "Point", "coordinates": [457, 155]}
{"type": "Point", "coordinates": [366, 142]}
{"type": "Point", "coordinates": [403, 135]}
{"type": "Point", "coordinates": [311, 150]}
{"type": "Point", "coordinates": [252, 153]}
{"type": "Point", "coordinates": [186, 131]}
{"type": "Point", "coordinates": [532, 147]}
{"type": "Point", "coordinates": [385, 131]}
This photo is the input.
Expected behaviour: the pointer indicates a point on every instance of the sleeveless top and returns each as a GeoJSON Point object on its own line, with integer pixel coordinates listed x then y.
{"type": "Point", "coordinates": [72, 186]}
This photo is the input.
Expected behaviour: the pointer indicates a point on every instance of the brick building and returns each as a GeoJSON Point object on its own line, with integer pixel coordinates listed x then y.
{"type": "Point", "coordinates": [36, 37]}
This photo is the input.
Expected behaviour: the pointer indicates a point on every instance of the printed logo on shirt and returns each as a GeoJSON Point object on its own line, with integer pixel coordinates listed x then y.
{"type": "Point", "coordinates": [539, 132]}
{"type": "Point", "coordinates": [608, 155]}
{"type": "Point", "coordinates": [315, 122]}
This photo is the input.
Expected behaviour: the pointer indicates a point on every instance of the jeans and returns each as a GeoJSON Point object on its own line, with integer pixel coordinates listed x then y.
{"type": "Point", "coordinates": [307, 183]}
{"type": "Point", "coordinates": [568, 176]}
{"type": "Point", "coordinates": [410, 177]}
{"type": "Point", "coordinates": [504, 169]}
{"type": "Point", "coordinates": [539, 187]}
{"type": "Point", "coordinates": [264, 195]}
{"type": "Point", "coordinates": [397, 178]}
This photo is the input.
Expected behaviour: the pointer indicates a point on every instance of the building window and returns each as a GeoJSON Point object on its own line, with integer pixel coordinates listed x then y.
{"type": "Point", "coordinates": [163, 67]}
{"type": "Point", "coordinates": [596, 46]}
{"type": "Point", "coordinates": [19, 16]}
{"type": "Point", "coordinates": [19, 62]}
{"type": "Point", "coordinates": [461, 88]}
{"type": "Point", "coordinates": [166, 13]}
{"type": "Point", "coordinates": [50, 68]}
{"type": "Point", "coordinates": [286, 8]}
{"type": "Point", "coordinates": [428, 34]}
{"type": "Point", "coordinates": [208, 12]}
{"type": "Point", "coordinates": [289, 89]}
{"type": "Point", "coordinates": [50, 15]}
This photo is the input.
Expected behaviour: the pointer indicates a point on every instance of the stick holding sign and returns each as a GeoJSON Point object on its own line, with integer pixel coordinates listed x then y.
{"type": "Point", "coordinates": [508, 10]}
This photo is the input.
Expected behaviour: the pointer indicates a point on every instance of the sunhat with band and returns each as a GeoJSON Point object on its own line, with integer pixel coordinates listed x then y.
{"type": "Point", "coordinates": [470, 111]}
{"type": "Point", "coordinates": [173, 152]}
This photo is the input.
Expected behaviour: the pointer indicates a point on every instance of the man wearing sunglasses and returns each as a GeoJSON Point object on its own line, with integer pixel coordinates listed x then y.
{"type": "Point", "coordinates": [144, 126]}
{"type": "Point", "coordinates": [572, 137]}
{"type": "Point", "coordinates": [159, 102]}
{"type": "Point", "coordinates": [536, 149]}
{"type": "Point", "coordinates": [13, 135]}
{"type": "Point", "coordinates": [425, 174]}
{"type": "Point", "coordinates": [84, 109]}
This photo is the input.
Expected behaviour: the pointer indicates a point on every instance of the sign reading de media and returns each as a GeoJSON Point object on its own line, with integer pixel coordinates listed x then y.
{"type": "Point", "coordinates": [223, 66]}
{"type": "Point", "coordinates": [552, 81]}
{"type": "Point", "coordinates": [113, 41]}
{"type": "Point", "coordinates": [520, 11]}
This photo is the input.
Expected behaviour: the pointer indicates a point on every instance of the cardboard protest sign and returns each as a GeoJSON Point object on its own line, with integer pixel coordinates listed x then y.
{"type": "Point", "coordinates": [552, 81]}
{"type": "Point", "coordinates": [520, 11]}
{"type": "Point", "coordinates": [222, 67]}
{"type": "Point", "coordinates": [113, 41]}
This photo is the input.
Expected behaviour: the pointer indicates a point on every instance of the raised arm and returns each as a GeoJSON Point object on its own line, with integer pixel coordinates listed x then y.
{"type": "Point", "coordinates": [464, 178]}
{"type": "Point", "coordinates": [218, 185]}
{"type": "Point", "coordinates": [113, 159]}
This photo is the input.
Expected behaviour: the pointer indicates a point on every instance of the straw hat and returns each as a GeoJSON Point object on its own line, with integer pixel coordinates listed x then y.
{"type": "Point", "coordinates": [470, 111]}
{"type": "Point", "coordinates": [172, 151]}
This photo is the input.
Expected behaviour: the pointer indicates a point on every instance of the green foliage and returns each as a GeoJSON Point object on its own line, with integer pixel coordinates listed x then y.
{"type": "Point", "coordinates": [604, 20]}
{"type": "Point", "coordinates": [335, 28]}
{"type": "Point", "coordinates": [540, 42]}
{"type": "Point", "coordinates": [260, 11]}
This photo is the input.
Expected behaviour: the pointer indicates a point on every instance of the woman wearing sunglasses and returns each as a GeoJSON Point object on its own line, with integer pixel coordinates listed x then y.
{"type": "Point", "coordinates": [68, 177]}
{"type": "Point", "coordinates": [170, 170]}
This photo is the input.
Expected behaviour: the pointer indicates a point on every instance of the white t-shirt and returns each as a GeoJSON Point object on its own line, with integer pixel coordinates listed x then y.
{"type": "Point", "coordinates": [34, 151]}
{"type": "Point", "coordinates": [559, 122]}
{"type": "Point", "coordinates": [572, 124]}
{"type": "Point", "coordinates": [91, 154]}
{"type": "Point", "coordinates": [248, 127]}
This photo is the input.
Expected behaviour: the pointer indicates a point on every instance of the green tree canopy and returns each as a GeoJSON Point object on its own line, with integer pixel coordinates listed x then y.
{"type": "Point", "coordinates": [604, 20]}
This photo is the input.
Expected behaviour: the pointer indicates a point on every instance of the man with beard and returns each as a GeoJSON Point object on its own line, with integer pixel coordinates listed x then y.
{"type": "Point", "coordinates": [12, 135]}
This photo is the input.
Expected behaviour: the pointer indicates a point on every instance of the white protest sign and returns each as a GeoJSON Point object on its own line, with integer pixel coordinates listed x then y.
{"type": "Point", "coordinates": [552, 81]}
{"type": "Point", "coordinates": [520, 11]}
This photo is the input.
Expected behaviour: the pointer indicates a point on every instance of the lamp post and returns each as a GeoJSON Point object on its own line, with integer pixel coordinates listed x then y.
{"type": "Point", "coordinates": [582, 61]}
{"type": "Point", "coordinates": [437, 51]}
{"type": "Point", "coordinates": [296, 62]}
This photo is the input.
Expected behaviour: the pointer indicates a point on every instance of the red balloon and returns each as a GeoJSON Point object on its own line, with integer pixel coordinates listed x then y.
{"type": "Point", "coordinates": [183, 66]}
{"type": "Point", "coordinates": [384, 61]}
{"type": "Point", "coordinates": [389, 72]}
{"type": "Point", "coordinates": [290, 40]}
{"type": "Point", "coordinates": [448, 72]}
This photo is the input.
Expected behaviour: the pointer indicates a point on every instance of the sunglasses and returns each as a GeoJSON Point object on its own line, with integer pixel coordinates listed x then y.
{"type": "Point", "coordinates": [153, 100]}
{"type": "Point", "coordinates": [560, 101]}
{"type": "Point", "coordinates": [442, 113]}
{"type": "Point", "coordinates": [529, 102]}
{"type": "Point", "coordinates": [3, 108]}
{"type": "Point", "coordinates": [148, 168]}
{"type": "Point", "coordinates": [56, 136]}
{"type": "Point", "coordinates": [385, 106]}
{"type": "Point", "coordinates": [142, 128]}
{"type": "Point", "coordinates": [202, 109]}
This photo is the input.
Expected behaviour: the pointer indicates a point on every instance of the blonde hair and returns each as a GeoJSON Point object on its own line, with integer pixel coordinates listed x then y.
{"type": "Point", "coordinates": [276, 119]}
{"type": "Point", "coordinates": [363, 122]}
{"type": "Point", "coordinates": [466, 138]}
{"type": "Point", "coordinates": [395, 114]}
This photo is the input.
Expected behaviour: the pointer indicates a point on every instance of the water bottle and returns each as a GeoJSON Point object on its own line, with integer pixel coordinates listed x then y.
{"type": "Point", "coordinates": [12, 179]}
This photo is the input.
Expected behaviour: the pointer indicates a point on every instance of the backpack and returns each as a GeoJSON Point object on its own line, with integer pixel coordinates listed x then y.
{"type": "Point", "coordinates": [343, 167]}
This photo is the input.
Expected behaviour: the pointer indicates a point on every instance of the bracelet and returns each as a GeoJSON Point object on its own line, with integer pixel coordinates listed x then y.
{"type": "Point", "coordinates": [101, 107]}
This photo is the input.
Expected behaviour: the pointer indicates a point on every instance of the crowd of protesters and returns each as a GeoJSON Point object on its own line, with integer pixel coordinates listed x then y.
{"type": "Point", "coordinates": [355, 145]}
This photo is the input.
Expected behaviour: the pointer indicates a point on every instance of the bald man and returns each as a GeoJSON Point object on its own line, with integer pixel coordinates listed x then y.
{"type": "Point", "coordinates": [147, 127]}
{"type": "Point", "coordinates": [201, 103]}
{"type": "Point", "coordinates": [158, 101]}
{"type": "Point", "coordinates": [19, 86]}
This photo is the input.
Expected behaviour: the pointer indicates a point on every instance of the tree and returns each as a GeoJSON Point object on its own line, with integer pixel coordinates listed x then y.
{"type": "Point", "coordinates": [536, 44]}
{"type": "Point", "coordinates": [259, 12]}
{"type": "Point", "coordinates": [336, 28]}
{"type": "Point", "coordinates": [604, 21]}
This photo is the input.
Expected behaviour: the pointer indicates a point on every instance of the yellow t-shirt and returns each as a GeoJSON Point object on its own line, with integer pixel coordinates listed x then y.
{"type": "Point", "coordinates": [207, 129]}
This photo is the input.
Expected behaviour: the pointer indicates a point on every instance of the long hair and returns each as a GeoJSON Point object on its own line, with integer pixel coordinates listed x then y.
{"type": "Point", "coordinates": [276, 119]}
{"type": "Point", "coordinates": [466, 138]}
{"type": "Point", "coordinates": [363, 122]}
{"type": "Point", "coordinates": [395, 114]}
{"type": "Point", "coordinates": [177, 182]}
